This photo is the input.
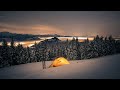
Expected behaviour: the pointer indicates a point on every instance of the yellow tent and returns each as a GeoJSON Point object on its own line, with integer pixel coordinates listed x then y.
{"type": "Point", "coordinates": [59, 62]}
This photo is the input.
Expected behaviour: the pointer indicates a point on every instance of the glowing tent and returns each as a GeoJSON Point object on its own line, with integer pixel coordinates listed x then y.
{"type": "Point", "coordinates": [59, 62]}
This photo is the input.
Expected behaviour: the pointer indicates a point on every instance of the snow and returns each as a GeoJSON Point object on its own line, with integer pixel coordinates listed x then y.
{"type": "Point", "coordinates": [107, 67]}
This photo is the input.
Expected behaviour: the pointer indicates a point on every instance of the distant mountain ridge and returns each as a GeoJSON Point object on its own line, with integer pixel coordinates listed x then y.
{"type": "Point", "coordinates": [22, 37]}
{"type": "Point", "coordinates": [17, 37]}
{"type": "Point", "coordinates": [44, 35]}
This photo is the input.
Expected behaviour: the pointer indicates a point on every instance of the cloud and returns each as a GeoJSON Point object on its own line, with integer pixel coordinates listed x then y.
{"type": "Point", "coordinates": [45, 29]}
{"type": "Point", "coordinates": [33, 29]}
{"type": "Point", "coordinates": [1, 16]}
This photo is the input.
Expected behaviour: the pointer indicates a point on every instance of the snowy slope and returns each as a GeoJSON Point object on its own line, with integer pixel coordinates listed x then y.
{"type": "Point", "coordinates": [100, 68]}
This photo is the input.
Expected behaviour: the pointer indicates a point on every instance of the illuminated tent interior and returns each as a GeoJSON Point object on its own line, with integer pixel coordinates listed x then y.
{"type": "Point", "coordinates": [59, 62]}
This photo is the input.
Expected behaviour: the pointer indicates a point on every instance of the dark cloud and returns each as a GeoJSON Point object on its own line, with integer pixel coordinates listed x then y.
{"type": "Point", "coordinates": [69, 22]}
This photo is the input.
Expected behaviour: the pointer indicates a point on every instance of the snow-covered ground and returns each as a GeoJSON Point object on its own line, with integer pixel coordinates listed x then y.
{"type": "Point", "coordinates": [99, 68]}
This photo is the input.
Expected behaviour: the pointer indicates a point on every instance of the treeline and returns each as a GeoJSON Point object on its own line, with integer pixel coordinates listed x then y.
{"type": "Point", "coordinates": [52, 48]}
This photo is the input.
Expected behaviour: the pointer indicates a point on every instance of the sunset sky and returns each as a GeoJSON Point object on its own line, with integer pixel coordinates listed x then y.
{"type": "Point", "coordinates": [80, 23]}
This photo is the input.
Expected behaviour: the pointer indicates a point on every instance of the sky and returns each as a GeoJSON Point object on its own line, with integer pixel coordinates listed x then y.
{"type": "Point", "coordinates": [80, 23]}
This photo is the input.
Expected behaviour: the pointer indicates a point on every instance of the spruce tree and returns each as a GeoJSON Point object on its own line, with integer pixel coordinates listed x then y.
{"type": "Point", "coordinates": [5, 53]}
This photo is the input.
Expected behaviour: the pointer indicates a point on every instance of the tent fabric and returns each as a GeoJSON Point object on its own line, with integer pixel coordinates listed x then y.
{"type": "Point", "coordinates": [59, 62]}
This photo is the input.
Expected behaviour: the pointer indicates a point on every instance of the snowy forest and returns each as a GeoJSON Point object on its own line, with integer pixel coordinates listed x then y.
{"type": "Point", "coordinates": [50, 49]}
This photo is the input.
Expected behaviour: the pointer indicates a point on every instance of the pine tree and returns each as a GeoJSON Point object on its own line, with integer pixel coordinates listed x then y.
{"type": "Point", "coordinates": [5, 53]}
{"type": "Point", "coordinates": [12, 43]}
{"type": "Point", "coordinates": [28, 55]}
{"type": "Point", "coordinates": [72, 50]}
{"type": "Point", "coordinates": [1, 59]}
{"type": "Point", "coordinates": [84, 49]}
{"type": "Point", "coordinates": [13, 54]}
{"type": "Point", "coordinates": [37, 53]}
{"type": "Point", "coordinates": [20, 52]}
